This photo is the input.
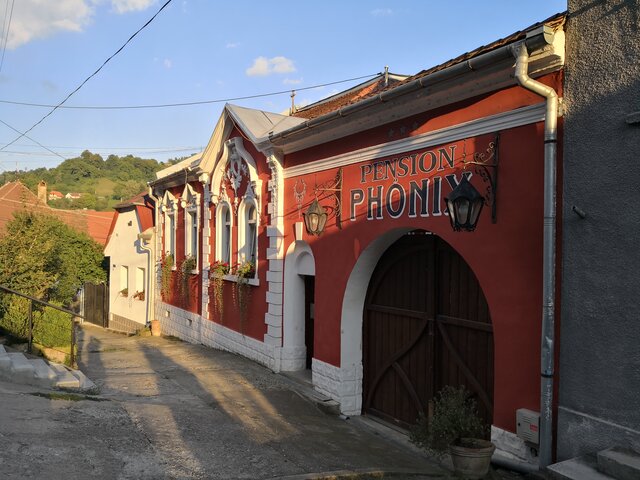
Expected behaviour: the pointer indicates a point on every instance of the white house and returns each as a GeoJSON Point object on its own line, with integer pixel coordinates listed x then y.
{"type": "Point", "coordinates": [131, 260]}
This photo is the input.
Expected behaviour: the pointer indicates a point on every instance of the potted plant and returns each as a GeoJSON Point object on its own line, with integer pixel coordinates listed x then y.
{"type": "Point", "coordinates": [457, 429]}
{"type": "Point", "coordinates": [216, 275]}
{"type": "Point", "coordinates": [155, 328]}
{"type": "Point", "coordinates": [244, 271]}
{"type": "Point", "coordinates": [166, 268]}
{"type": "Point", "coordinates": [186, 268]}
{"type": "Point", "coordinates": [139, 296]}
{"type": "Point", "coordinates": [124, 292]}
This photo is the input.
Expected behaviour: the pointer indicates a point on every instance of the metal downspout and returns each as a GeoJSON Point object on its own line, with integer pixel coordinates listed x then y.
{"type": "Point", "coordinates": [152, 255]}
{"type": "Point", "coordinates": [549, 251]}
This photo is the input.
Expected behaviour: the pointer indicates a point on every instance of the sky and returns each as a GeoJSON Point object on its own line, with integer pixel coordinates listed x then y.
{"type": "Point", "coordinates": [203, 50]}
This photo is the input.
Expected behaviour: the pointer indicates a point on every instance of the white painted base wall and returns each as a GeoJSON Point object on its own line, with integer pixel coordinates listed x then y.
{"type": "Point", "coordinates": [344, 385]}
{"type": "Point", "coordinates": [192, 328]}
{"type": "Point", "coordinates": [511, 447]}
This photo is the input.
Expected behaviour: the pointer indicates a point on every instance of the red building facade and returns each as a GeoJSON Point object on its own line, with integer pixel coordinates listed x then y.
{"type": "Point", "coordinates": [388, 304]}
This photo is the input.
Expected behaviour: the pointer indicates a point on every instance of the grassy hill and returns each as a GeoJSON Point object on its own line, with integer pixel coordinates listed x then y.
{"type": "Point", "coordinates": [102, 182]}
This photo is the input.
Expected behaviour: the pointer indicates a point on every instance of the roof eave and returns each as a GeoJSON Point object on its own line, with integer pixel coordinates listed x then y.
{"type": "Point", "coordinates": [478, 75]}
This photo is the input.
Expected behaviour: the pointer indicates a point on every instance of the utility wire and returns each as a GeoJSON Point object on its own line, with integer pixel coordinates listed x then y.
{"type": "Point", "coordinates": [130, 151]}
{"type": "Point", "coordinates": [6, 32]}
{"type": "Point", "coordinates": [186, 104]}
{"type": "Point", "coordinates": [137, 149]}
{"type": "Point", "coordinates": [89, 77]}
{"type": "Point", "coordinates": [28, 137]}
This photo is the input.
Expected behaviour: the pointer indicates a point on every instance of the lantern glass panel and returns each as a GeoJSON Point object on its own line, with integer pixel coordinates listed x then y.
{"type": "Point", "coordinates": [322, 220]}
{"type": "Point", "coordinates": [476, 208]}
{"type": "Point", "coordinates": [462, 205]}
{"type": "Point", "coordinates": [452, 211]}
{"type": "Point", "coordinates": [313, 222]}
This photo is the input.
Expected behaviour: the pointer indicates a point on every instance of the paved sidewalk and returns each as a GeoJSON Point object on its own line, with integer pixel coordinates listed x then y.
{"type": "Point", "coordinates": [169, 409]}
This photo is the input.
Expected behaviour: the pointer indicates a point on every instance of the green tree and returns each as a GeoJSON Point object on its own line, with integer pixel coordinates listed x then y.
{"type": "Point", "coordinates": [43, 257]}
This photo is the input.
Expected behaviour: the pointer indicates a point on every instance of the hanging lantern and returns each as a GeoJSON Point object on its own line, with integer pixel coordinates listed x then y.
{"type": "Point", "coordinates": [464, 204]}
{"type": "Point", "coordinates": [315, 218]}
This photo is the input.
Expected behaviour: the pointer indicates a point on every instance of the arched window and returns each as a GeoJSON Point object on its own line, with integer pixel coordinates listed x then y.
{"type": "Point", "coordinates": [248, 232]}
{"type": "Point", "coordinates": [235, 181]}
{"type": "Point", "coordinates": [191, 202]}
{"type": "Point", "coordinates": [223, 228]}
{"type": "Point", "coordinates": [251, 229]}
{"type": "Point", "coordinates": [169, 208]}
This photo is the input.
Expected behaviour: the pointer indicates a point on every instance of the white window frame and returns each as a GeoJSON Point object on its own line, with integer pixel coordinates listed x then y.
{"type": "Point", "coordinates": [170, 210]}
{"type": "Point", "coordinates": [243, 165]}
{"type": "Point", "coordinates": [124, 281]}
{"type": "Point", "coordinates": [244, 243]}
{"type": "Point", "coordinates": [141, 275]}
{"type": "Point", "coordinates": [222, 228]}
{"type": "Point", "coordinates": [190, 202]}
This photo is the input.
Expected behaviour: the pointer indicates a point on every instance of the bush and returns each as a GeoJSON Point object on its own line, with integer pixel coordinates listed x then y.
{"type": "Point", "coordinates": [455, 415]}
{"type": "Point", "coordinates": [51, 327]}
{"type": "Point", "coordinates": [15, 316]}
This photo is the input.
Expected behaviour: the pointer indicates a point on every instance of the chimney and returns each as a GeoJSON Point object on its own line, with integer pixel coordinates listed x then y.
{"type": "Point", "coordinates": [42, 192]}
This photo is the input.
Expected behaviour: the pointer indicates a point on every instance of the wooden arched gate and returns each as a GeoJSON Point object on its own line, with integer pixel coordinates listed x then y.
{"type": "Point", "coordinates": [426, 325]}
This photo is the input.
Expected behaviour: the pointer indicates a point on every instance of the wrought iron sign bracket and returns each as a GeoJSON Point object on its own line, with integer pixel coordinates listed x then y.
{"type": "Point", "coordinates": [336, 192]}
{"type": "Point", "coordinates": [481, 162]}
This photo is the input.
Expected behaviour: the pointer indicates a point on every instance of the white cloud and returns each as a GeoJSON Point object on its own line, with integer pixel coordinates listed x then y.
{"type": "Point", "coordinates": [381, 12]}
{"type": "Point", "coordinates": [292, 81]}
{"type": "Point", "coordinates": [232, 45]}
{"type": "Point", "coordinates": [167, 63]}
{"type": "Point", "coordinates": [124, 6]}
{"type": "Point", "coordinates": [33, 19]}
{"type": "Point", "coordinates": [36, 19]}
{"type": "Point", "coordinates": [263, 66]}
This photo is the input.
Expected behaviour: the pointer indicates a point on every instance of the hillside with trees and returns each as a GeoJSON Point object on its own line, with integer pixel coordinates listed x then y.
{"type": "Point", "coordinates": [102, 182]}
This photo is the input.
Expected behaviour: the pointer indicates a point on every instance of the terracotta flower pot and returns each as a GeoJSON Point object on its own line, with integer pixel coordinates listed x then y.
{"type": "Point", "coordinates": [471, 457]}
{"type": "Point", "coordinates": [155, 328]}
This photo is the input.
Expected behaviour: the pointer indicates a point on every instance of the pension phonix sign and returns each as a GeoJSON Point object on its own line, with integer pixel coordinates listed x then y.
{"type": "Point", "coordinates": [410, 185]}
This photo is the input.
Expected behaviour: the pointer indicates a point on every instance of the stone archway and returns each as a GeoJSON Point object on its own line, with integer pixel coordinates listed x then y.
{"type": "Point", "coordinates": [351, 322]}
{"type": "Point", "coordinates": [445, 321]}
{"type": "Point", "coordinates": [299, 264]}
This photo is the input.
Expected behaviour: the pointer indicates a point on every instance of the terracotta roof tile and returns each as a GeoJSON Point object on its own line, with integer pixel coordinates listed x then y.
{"type": "Point", "coordinates": [15, 196]}
{"type": "Point", "coordinates": [350, 96]}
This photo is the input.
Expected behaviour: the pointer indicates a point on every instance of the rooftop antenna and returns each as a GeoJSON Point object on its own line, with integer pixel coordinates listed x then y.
{"type": "Point", "coordinates": [293, 104]}
{"type": "Point", "coordinates": [386, 75]}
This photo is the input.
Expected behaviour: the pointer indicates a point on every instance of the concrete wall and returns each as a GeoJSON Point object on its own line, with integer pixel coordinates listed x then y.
{"type": "Point", "coordinates": [599, 398]}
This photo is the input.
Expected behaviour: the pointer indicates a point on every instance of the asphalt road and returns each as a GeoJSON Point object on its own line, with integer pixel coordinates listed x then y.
{"type": "Point", "coordinates": [169, 409]}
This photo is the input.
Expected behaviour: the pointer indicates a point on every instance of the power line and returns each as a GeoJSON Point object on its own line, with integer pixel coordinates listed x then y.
{"type": "Point", "coordinates": [186, 104]}
{"type": "Point", "coordinates": [153, 149]}
{"type": "Point", "coordinates": [98, 150]}
{"type": "Point", "coordinates": [28, 137]}
{"type": "Point", "coordinates": [89, 77]}
{"type": "Point", "coordinates": [6, 32]}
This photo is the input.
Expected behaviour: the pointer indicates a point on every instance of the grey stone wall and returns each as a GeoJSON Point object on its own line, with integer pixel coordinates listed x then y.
{"type": "Point", "coordinates": [123, 324]}
{"type": "Point", "coordinates": [599, 398]}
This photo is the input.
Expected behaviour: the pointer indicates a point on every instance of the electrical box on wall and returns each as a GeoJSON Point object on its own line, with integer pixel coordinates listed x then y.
{"type": "Point", "coordinates": [528, 425]}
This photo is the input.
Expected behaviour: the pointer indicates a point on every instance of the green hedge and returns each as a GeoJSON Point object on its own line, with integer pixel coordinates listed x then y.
{"type": "Point", "coordinates": [51, 327]}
